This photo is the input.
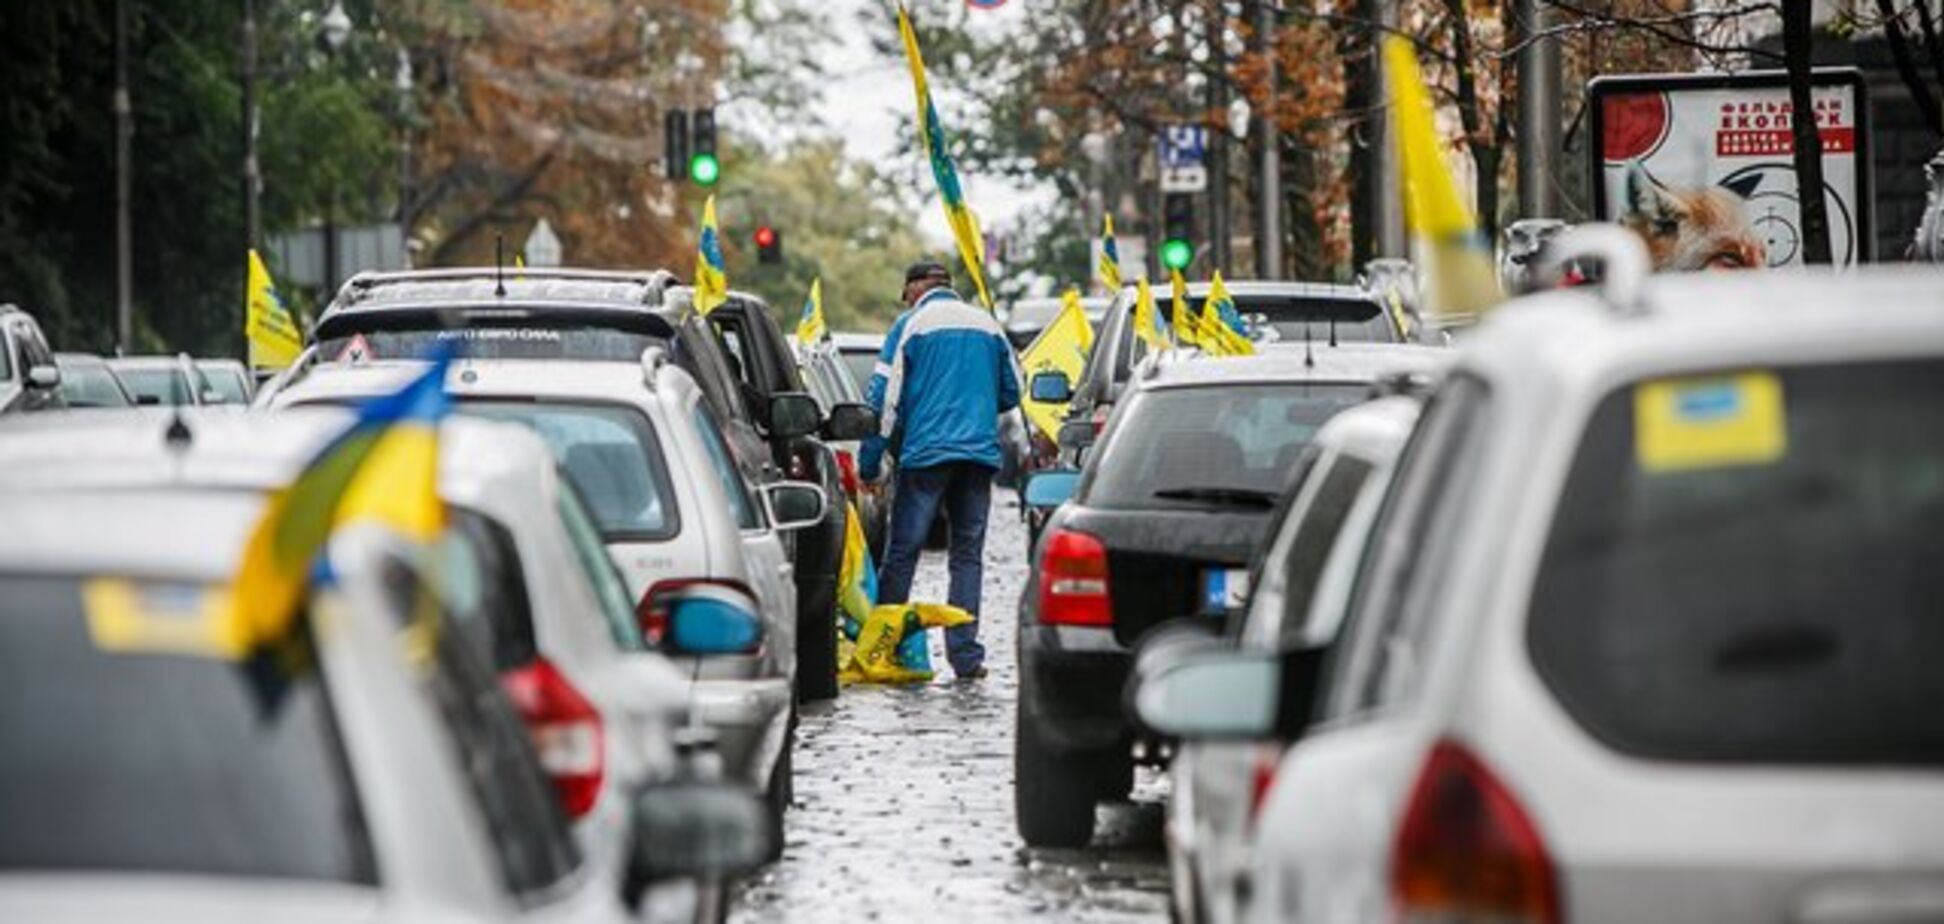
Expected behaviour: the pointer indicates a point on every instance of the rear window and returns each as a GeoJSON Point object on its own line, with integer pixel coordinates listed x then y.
{"type": "Point", "coordinates": [862, 366]}
{"type": "Point", "coordinates": [485, 583]}
{"type": "Point", "coordinates": [163, 386]}
{"type": "Point", "coordinates": [91, 386]}
{"type": "Point", "coordinates": [1228, 445]}
{"type": "Point", "coordinates": [157, 763]}
{"type": "Point", "coordinates": [1273, 318]}
{"type": "Point", "coordinates": [227, 382]}
{"type": "Point", "coordinates": [585, 344]}
{"type": "Point", "coordinates": [611, 455]}
{"type": "Point", "coordinates": [1745, 568]}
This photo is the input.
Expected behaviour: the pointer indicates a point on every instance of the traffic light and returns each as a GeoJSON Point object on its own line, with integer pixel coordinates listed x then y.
{"type": "Point", "coordinates": [703, 167]}
{"type": "Point", "coordinates": [769, 245]}
{"type": "Point", "coordinates": [1178, 230]}
{"type": "Point", "coordinates": [675, 144]}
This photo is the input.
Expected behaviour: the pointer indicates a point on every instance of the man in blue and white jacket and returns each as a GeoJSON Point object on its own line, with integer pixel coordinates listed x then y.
{"type": "Point", "coordinates": [945, 375]}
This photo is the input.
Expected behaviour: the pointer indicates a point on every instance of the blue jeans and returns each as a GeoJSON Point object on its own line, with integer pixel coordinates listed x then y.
{"type": "Point", "coordinates": [965, 491]}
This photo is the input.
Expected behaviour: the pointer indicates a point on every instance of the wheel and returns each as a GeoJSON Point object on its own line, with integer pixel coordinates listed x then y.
{"type": "Point", "coordinates": [782, 789]}
{"type": "Point", "coordinates": [1114, 771]}
{"type": "Point", "coordinates": [1054, 791]}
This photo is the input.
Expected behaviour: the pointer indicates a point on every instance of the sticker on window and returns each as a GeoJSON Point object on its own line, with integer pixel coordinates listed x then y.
{"type": "Point", "coordinates": [176, 619]}
{"type": "Point", "coordinates": [1714, 422]}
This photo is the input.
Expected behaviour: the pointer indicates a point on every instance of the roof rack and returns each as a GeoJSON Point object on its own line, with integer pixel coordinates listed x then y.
{"type": "Point", "coordinates": [654, 283]}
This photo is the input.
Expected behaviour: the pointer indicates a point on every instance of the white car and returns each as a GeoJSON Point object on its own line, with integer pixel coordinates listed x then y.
{"type": "Point", "coordinates": [153, 774]}
{"type": "Point", "coordinates": [1649, 628]}
{"type": "Point", "coordinates": [1301, 582]}
{"type": "Point", "coordinates": [646, 454]}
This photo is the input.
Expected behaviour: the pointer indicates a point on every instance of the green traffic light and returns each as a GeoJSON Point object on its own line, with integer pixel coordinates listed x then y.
{"type": "Point", "coordinates": [704, 169]}
{"type": "Point", "coordinates": [1176, 254]}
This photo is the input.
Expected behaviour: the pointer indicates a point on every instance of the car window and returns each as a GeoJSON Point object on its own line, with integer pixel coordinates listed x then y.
{"type": "Point", "coordinates": [1173, 446]}
{"type": "Point", "coordinates": [1774, 603]}
{"type": "Point", "coordinates": [530, 833]}
{"type": "Point", "coordinates": [698, 351]}
{"type": "Point", "coordinates": [723, 465]}
{"type": "Point", "coordinates": [34, 349]}
{"type": "Point", "coordinates": [1297, 566]}
{"type": "Point", "coordinates": [612, 456]}
{"type": "Point", "coordinates": [1378, 651]}
{"type": "Point", "coordinates": [121, 761]}
{"type": "Point", "coordinates": [862, 365]}
{"type": "Point", "coordinates": [228, 382]}
{"type": "Point", "coordinates": [487, 342]}
{"type": "Point", "coordinates": [90, 385]}
{"type": "Point", "coordinates": [486, 582]}
{"type": "Point", "coordinates": [609, 590]}
{"type": "Point", "coordinates": [737, 349]}
{"type": "Point", "coordinates": [163, 385]}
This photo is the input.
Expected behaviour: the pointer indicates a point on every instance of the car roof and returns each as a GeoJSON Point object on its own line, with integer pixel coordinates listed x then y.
{"type": "Point", "coordinates": [854, 341]}
{"type": "Point", "coordinates": [1373, 430]}
{"type": "Point", "coordinates": [426, 299]}
{"type": "Point", "coordinates": [1706, 321]}
{"type": "Point", "coordinates": [1286, 362]}
{"type": "Point", "coordinates": [1259, 288]}
{"type": "Point", "coordinates": [79, 359]}
{"type": "Point", "coordinates": [145, 362]}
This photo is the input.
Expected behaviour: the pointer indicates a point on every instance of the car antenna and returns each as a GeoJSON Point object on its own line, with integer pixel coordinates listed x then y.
{"type": "Point", "coordinates": [1333, 340]}
{"type": "Point", "coordinates": [1309, 346]}
{"type": "Point", "coordinates": [499, 264]}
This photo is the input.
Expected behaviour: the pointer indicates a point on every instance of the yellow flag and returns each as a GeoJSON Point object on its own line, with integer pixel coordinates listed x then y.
{"type": "Point", "coordinates": [931, 135]}
{"type": "Point", "coordinates": [272, 333]}
{"type": "Point", "coordinates": [1458, 274]}
{"type": "Point", "coordinates": [1110, 274]}
{"type": "Point", "coordinates": [1220, 326]}
{"type": "Point", "coordinates": [1184, 319]}
{"type": "Point", "coordinates": [1062, 347]}
{"type": "Point", "coordinates": [810, 325]}
{"type": "Point", "coordinates": [1147, 320]}
{"type": "Point", "coordinates": [711, 279]}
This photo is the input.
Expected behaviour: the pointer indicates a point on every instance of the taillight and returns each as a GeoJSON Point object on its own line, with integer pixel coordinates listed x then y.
{"type": "Point", "coordinates": [1467, 851]}
{"type": "Point", "coordinates": [1099, 418]}
{"type": "Point", "coordinates": [719, 598]}
{"type": "Point", "coordinates": [847, 471]}
{"type": "Point", "coordinates": [1073, 581]}
{"type": "Point", "coordinates": [566, 732]}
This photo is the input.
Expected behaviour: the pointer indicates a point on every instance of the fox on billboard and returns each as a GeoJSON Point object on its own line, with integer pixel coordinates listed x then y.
{"type": "Point", "coordinates": [1702, 166]}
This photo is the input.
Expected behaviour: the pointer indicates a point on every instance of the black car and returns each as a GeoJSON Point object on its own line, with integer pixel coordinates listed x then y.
{"type": "Point", "coordinates": [1160, 532]}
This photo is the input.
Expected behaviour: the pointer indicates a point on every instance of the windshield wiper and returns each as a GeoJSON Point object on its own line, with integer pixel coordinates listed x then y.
{"type": "Point", "coordinates": [1234, 497]}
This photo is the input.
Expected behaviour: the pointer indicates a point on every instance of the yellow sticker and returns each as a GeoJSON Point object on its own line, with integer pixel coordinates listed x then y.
{"type": "Point", "coordinates": [1711, 422]}
{"type": "Point", "coordinates": [130, 618]}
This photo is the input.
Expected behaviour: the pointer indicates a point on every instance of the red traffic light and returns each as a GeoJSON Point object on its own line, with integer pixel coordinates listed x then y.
{"type": "Point", "coordinates": [766, 236]}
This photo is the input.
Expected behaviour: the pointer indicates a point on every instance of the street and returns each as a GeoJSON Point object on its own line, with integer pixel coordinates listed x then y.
{"type": "Point", "coordinates": [904, 797]}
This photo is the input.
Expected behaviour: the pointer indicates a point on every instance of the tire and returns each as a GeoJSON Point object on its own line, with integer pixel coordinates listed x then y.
{"type": "Point", "coordinates": [1054, 791]}
{"type": "Point", "coordinates": [1114, 771]}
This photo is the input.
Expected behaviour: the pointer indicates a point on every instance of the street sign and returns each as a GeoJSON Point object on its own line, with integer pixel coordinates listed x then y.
{"type": "Point", "coordinates": [542, 245]}
{"type": "Point", "coordinates": [1182, 155]}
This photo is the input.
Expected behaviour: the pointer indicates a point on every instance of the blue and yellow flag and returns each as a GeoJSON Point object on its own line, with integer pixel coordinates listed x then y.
{"type": "Point", "coordinates": [1220, 329]}
{"type": "Point", "coordinates": [272, 334]}
{"type": "Point", "coordinates": [1062, 347]}
{"type": "Point", "coordinates": [1459, 279]}
{"type": "Point", "coordinates": [1147, 320]}
{"type": "Point", "coordinates": [711, 277]}
{"type": "Point", "coordinates": [383, 469]}
{"type": "Point", "coordinates": [1110, 274]}
{"type": "Point", "coordinates": [931, 133]}
{"type": "Point", "coordinates": [810, 326]}
{"type": "Point", "coordinates": [1183, 318]}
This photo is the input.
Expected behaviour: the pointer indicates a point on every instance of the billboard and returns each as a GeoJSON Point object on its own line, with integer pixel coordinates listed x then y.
{"type": "Point", "coordinates": [1702, 166]}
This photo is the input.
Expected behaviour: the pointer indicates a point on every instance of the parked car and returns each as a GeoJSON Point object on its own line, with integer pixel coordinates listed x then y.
{"type": "Point", "coordinates": [1648, 627]}
{"type": "Point", "coordinates": [372, 785]}
{"type": "Point", "coordinates": [30, 380]}
{"type": "Point", "coordinates": [830, 382]}
{"type": "Point", "coordinates": [229, 379]}
{"type": "Point", "coordinates": [1275, 313]}
{"type": "Point", "coordinates": [1166, 517]}
{"type": "Point", "coordinates": [86, 381]}
{"type": "Point", "coordinates": [1299, 588]}
{"type": "Point", "coordinates": [171, 381]}
{"type": "Point", "coordinates": [642, 447]}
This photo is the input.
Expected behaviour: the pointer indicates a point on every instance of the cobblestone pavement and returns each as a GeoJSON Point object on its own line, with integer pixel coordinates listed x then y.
{"type": "Point", "coordinates": [903, 806]}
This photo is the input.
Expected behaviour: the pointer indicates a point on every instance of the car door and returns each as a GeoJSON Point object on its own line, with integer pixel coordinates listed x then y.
{"type": "Point", "coordinates": [701, 354]}
{"type": "Point", "coordinates": [771, 574]}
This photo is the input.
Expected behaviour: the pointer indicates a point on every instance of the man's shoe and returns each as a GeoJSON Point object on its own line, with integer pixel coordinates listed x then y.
{"type": "Point", "coordinates": [977, 673]}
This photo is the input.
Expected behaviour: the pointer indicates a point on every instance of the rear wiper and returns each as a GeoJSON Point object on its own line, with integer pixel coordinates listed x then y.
{"type": "Point", "coordinates": [1235, 497]}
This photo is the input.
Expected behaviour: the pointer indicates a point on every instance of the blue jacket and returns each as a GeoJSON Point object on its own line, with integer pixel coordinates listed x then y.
{"type": "Point", "coordinates": [945, 375]}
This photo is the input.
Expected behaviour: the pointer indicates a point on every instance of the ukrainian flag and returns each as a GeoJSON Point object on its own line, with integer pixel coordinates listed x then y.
{"type": "Point", "coordinates": [1184, 320]}
{"type": "Point", "coordinates": [1110, 274]}
{"type": "Point", "coordinates": [1221, 331]}
{"type": "Point", "coordinates": [811, 327]}
{"type": "Point", "coordinates": [383, 469]}
{"type": "Point", "coordinates": [711, 277]}
{"type": "Point", "coordinates": [1147, 321]}
{"type": "Point", "coordinates": [964, 225]}
{"type": "Point", "coordinates": [1459, 277]}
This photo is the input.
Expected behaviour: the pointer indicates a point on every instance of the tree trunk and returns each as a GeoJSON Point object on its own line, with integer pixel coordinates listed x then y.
{"type": "Point", "coordinates": [1808, 140]}
{"type": "Point", "coordinates": [1360, 93]}
{"type": "Point", "coordinates": [1920, 92]}
{"type": "Point", "coordinates": [1471, 115]}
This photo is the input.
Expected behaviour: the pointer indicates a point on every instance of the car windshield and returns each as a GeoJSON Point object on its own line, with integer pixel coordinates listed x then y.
{"type": "Point", "coordinates": [124, 760]}
{"type": "Point", "coordinates": [1212, 445]}
{"type": "Point", "coordinates": [1744, 568]}
{"type": "Point", "coordinates": [611, 455]}
{"type": "Point", "coordinates": [227, 381]}
{"type": "Point", "coordinates": [580, 343]}
{"type": "Point", "coordinates": [91, 385]}
{"type": "Point", "coordinates": [1282, 318]}
{"type": "Point", "coordinates": [155, 384]}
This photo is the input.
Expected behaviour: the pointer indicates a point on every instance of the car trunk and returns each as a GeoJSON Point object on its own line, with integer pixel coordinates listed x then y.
{"type": "Point", "coordinates": [1157, 559]}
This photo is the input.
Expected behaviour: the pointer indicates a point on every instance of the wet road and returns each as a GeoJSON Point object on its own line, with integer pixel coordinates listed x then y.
{"type": "Point", "coordinates": [903, 804]}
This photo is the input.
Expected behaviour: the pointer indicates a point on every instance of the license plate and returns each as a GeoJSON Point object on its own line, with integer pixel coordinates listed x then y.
{"type": "Point", "coordinates": [1224, 589]}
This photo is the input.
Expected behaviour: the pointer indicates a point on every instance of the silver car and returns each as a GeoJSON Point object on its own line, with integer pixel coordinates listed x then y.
{"type": "Point", "coordinates": [156, 772]}
{"type": "Point", "coordinates": [1649, 626]}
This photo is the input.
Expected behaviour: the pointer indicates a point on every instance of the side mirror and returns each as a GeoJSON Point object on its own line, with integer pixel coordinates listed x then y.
{"type": "Point", "coordinates": [694, 828]}
{"type": "Point", "coordinates": [850, 421]}
{"type": "Point", "coordinates": [1227, 695]}
{"type": "Point", "coordinates": [795, 505]}
{"type": "Point", "coordinates": [1076, 434]}
{"type": "Point", "coordinates": [44, 376]}
{"type": "Point", "coordinates": [1050, 488]}
{"type": "Point", "coordinates": [1051, 388]}
{"type": "Point", "coordinates": [707, 619]}
{"type": "Point", "coordinates": [793, 414]}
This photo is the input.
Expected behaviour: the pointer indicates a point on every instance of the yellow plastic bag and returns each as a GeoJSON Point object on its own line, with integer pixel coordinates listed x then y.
{"type": "Point", "coordinates": [874, 658]}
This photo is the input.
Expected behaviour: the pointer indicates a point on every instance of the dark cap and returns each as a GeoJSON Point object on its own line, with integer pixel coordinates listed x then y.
{"type": "Point", "coordinates": [925, 269]}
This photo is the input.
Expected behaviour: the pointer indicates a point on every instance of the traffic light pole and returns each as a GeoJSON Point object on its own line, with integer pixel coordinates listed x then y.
{"type": "Point", "coordinates": [1269, 235]}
